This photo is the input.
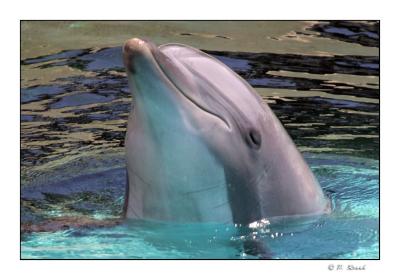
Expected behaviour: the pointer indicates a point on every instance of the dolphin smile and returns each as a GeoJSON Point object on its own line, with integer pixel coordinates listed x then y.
{"type": "Point", "coordinates": [172, 69]}
{"type": "Point", "coordinates": [236, 163]}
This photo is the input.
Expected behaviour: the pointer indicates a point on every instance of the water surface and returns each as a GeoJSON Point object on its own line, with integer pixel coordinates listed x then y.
{"type": "Point", "coordinates": [320, 78]}
{"type": "Point", "coordinates": [351, 231]}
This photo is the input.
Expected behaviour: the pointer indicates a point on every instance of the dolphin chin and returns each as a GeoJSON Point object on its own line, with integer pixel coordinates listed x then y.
{"type": "Point", "coordinates": [201, 146]}
{"type": "Point", "coordinates": [169, 70]}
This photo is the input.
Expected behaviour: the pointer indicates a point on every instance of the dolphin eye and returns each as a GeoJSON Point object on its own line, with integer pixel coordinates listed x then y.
{"type": "Point", "coordinates": [253, 139]}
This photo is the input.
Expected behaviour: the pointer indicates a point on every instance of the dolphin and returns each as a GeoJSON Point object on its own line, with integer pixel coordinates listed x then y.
{"type": "Point", "coordinates": [202, 146]}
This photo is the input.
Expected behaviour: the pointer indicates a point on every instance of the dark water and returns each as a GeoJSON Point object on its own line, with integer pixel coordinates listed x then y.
{"type": "Point", "coordinates": [328, 103]}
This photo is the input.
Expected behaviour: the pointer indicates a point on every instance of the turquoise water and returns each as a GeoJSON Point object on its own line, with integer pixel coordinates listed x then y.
{"type": "Point", "coordinates": [350, 232]}
{"type": "Point", "coordinates": [321, 79]}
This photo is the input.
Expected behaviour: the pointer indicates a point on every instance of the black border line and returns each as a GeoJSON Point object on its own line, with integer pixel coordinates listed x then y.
{"type": "Point", "coordinates": [223, 20]}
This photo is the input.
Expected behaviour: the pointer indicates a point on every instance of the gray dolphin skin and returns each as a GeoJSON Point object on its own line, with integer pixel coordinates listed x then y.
{"type": "Point", "coordinates": [202, 146]}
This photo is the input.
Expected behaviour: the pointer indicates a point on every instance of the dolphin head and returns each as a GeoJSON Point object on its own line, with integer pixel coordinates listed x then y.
{"type": "Point", "coordinates": [185, 99]}
{"type": "Point", "coordinates": [197, 89]}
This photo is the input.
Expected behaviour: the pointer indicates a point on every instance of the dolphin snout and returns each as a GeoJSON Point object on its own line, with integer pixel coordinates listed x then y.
{"type": "Point", "coordinates": [134, 47]}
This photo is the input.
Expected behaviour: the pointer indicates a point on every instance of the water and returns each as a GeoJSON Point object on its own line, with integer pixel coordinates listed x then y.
{"type": "Point", "coordinates": [320, 78]}
{"type": "Point", "coordinates": [351, 231]}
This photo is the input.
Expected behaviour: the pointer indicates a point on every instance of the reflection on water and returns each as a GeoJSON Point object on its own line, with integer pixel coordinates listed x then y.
{"type": "Point", "coordinates": [320, 78]}
{"type": "Point", "coordinates": [77, 217]}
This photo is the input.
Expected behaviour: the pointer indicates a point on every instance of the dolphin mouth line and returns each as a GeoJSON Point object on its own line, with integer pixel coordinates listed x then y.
{"type": "Point", "coordinates": [201, 107]}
